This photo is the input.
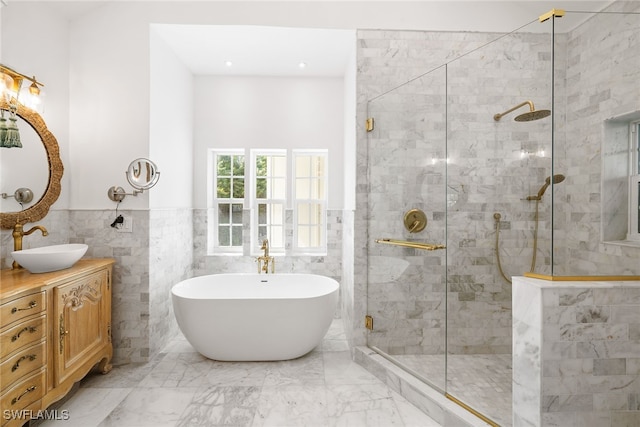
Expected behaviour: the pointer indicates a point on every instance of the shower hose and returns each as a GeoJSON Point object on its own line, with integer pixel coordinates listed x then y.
{"type": "Point", "coordinates": [497, 217]}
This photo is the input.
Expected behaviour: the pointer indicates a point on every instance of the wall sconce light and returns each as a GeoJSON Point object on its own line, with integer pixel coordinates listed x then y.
{"type": "Point", "coordinates": [13, 93]}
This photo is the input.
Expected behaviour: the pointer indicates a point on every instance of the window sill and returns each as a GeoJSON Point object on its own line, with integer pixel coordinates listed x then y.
{"type": "Point", "coordinates": [225, 254]}
{"type": "Point", "coordinates": [627, 243]}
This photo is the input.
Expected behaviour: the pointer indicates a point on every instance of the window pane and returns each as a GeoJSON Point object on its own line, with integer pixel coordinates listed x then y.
{"type": "Point", "coordinates": [236, 236]}
{"type": "Point", "coordinates": [279, 164]}
{"type": "Point", "coordinates": [278, 188]}
{"type": "Point", "coordinates": [315, 190]}
{"type": "Point", "coordinates": [261, 166]}
{"type": "Point", "coordinates": [262, 213]}
{"type": "Point", "coordinates": [223, 236]}
{"type": "Point", "coordinates": [277, 214]}
{"type": "Point", "coordinates": [224, 165]}
{"type": "Point", "coordinates": [262, 232]}
{"type": "Point", "coordinates": [224, 188]}
{"type": "Point", "coordinates": [237, 213]}
{"type": "Point", "coordinates": [314, 214]}
{"type": "Point", "coordinates": [314, 236]}
{"type": "Point", "coordinates": [238, 188]}
{"type": "Point", "coordinates": [276, 237]}
{"type": "Point", "coordinates": [303, 237]}
{"type": "Point", "coordinates": [302, 189]}
{"type": "Point", "coordinates": [318, 166]}
{"type": "Point", "coordinates": [238, 165]}
{"type": "Point", "coordinates": [223, 213]}
{"type": "Point", "coordinates": [261, 188]}
{"type": "Point", "coordinates": [303, 213]}
{"type": "Point", "coordinates": [303, 164]}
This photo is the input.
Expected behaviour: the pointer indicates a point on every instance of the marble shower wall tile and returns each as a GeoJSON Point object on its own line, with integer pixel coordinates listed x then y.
{"type": "Point", "coordinates": [602, 74]}
{"type": "Point", "coordinates": [575, 353]}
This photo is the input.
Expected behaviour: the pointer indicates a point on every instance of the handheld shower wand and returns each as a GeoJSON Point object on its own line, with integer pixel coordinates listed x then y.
{"type": "Point", "coordinates": [547, 182]}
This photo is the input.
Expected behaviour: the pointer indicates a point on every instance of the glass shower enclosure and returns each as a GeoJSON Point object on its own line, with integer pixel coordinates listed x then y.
{"type": "Point", "coordinates": [489, 141]}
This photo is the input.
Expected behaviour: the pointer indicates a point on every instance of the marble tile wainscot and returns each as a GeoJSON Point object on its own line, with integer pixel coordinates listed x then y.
{"type": "Point", "coordinates": [576, 353]}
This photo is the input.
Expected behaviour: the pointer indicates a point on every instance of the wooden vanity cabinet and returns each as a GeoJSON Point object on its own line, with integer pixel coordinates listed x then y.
{"type": "Point", "coordinates": [54, 327]}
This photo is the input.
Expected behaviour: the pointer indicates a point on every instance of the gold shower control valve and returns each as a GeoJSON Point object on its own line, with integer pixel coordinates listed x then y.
{"type": "Point", "coordinates": [415, 220]}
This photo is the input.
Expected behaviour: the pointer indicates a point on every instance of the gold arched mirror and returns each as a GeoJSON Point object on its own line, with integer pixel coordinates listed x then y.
{"type": "Point", "coordinates": [38, 210]}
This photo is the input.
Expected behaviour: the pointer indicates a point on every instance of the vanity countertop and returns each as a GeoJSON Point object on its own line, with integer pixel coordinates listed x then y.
{"type": "Point", "coordinates": [14, 282]}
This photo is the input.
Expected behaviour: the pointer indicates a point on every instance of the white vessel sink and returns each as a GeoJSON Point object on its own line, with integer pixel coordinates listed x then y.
{"type": "Point", "coordinates": [50, 258]}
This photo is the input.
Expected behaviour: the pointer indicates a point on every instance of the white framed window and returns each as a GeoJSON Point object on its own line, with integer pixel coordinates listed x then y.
{"type": "Point", "coordinates": [309, 201]}
{"type": "Point", "coordinates": [634, 182]}
{"type": "Point", "coordinates": [268, 199]}
{"type": "Point", "coordinates": [226, 200]}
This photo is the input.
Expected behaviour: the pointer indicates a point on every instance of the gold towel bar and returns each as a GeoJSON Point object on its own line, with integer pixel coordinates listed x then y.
{"type": "Point", "coordinates": [414, 245]}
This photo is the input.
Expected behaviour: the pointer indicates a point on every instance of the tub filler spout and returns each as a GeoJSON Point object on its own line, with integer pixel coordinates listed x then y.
{"type": "Point", "coordinates": [265, 260]}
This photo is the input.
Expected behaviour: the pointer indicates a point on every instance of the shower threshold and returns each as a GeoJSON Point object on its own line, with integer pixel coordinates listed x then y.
{"type": "Point", "coordinates": [411, 384]}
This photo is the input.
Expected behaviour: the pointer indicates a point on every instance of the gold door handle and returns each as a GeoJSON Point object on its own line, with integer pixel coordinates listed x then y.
{"type": "Point", "coordinates": [62, 331]}
{"type": "Point", "coordinates": [414, 245]}
{"type": "Point", "coordinates": [29, 390]}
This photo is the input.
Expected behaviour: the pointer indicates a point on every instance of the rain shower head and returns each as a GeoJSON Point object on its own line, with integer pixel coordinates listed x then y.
{"type": "Point", "coordinates": [533, 114]}
{"type": "Point", "coordinates": [557, 179]}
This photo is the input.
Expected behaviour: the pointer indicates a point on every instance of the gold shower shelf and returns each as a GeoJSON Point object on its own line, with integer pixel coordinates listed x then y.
{"type": "Point", "coordinates": [414, 245]}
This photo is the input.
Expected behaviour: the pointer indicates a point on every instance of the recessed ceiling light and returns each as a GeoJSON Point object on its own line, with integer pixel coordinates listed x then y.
{"type": "Point", "coordinates": [228, 63]}
{"type": "Point", "coordinates": [302, 65]}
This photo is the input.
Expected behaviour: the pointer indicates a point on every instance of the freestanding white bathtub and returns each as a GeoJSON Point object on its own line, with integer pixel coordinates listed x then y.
{"type": "Point", "coordinates": [255, 317]}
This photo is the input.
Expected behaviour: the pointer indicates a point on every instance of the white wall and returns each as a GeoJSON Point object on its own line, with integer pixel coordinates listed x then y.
{"type": "Point", "coordinates": [350, 126]}
{"type": "Point", "coordinates": [269, 112]}
{"type": "Point", "coordinates": [109, 110]}
{"type": "Point", "coordinates": [170, 127]}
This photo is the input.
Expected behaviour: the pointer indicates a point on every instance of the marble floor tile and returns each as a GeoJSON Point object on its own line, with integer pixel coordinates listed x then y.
{"type": "Point", "coordinates": [150, 407]}
{"type": "Point", "coordinates": [370, 405]}
{"type": "Point", "coordinates": [179, 387]}
{"type": "Point", "coordinates": [248, 374]}
{"type": "Point", "coordinates": [301, 371]}
{"type": "Point", "coordinates": [228, 406]}
{"type": "Point", "coordinates": [88, 405]}
{"type": "Point", "coordinates": [292, 406]}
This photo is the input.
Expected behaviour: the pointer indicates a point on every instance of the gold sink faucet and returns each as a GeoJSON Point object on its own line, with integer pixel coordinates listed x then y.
{"type": "Point", "coordinates": [265, 260]}
{"type": "Point", "coordinates": [19, 233]}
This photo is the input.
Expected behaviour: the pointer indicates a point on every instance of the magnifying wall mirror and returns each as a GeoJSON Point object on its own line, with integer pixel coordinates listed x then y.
{"type": "Point", "coordinates": [142, 174]}
{"type": "Point", "coordinates": [30, 166]}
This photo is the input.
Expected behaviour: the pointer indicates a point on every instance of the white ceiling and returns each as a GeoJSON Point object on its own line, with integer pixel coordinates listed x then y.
{"type": "Point", "coordinates": [259, 50]}
{"type": "Point", "coordinates": [277, 50]}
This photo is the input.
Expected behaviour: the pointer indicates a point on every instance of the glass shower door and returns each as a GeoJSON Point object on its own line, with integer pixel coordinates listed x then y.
{"type": "Point", "coordinates": [406, 166]}
{"type": "Point", "coordinates": [499, 145]}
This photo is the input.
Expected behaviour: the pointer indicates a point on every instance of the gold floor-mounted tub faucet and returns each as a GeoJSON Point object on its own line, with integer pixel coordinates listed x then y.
{"type": "Point", "coordinates": [265, 260]}
{"type": "Point", "coordinates": [19, 233]}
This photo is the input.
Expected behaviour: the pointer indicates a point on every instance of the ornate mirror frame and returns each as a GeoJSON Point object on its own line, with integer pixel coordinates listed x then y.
{"type": "Point", "coordinates": [40, 209]}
